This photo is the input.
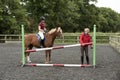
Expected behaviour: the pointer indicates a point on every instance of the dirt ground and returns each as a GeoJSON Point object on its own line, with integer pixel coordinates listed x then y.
{"type": "Point", "coordinates": [108, 64]}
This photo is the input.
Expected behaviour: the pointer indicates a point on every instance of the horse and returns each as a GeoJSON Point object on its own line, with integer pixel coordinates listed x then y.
{"type": "Point", "coordinates": [32, 41]}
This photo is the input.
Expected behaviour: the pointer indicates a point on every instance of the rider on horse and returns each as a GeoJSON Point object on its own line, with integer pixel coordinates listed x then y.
{"type": "Point", "coordinates": [42, 29]}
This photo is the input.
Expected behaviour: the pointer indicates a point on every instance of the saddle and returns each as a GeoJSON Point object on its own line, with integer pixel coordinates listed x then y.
{"type": "Point", "coordinates": [40, 40]}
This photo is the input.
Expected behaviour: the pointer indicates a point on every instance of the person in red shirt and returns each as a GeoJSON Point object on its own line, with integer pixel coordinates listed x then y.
{"type": "Point", "coordinates": [42, 29]}
{"type": "Point", "coordinates": [85, 38]}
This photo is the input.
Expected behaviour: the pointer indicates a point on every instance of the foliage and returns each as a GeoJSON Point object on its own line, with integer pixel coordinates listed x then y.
{"type": "Point", "coordinates": [108, 20]}
{"type": "Point", "coordinates": [71, 15]}
{"type": "Point", "coordinates": [12, 14]}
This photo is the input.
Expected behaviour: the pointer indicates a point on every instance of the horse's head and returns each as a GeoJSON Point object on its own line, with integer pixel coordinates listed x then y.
{"type": "Point", "coordinates": [59, 32]}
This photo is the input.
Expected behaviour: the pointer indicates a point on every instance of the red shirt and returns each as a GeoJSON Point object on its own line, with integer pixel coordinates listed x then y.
{"type": "Point", "coordinates": [42, 24]}
{"type": "Point", "coordinates": [85, 38]}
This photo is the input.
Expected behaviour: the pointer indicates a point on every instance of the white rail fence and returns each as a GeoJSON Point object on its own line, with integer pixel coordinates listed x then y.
{"type": "Point", "coordinates": [12, 38]}
{"type": "Point", "coordinates": [115, 42]}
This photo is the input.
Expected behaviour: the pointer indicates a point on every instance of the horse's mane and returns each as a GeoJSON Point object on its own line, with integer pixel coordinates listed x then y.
{"type": "Point", "coordinates": [52, 31]}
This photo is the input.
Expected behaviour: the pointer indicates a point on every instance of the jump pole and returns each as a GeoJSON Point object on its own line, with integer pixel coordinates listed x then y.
{"type": "Point", "coordinates": [58, 65]}
{"type": "Point", "coordinates": [23, 47]}
{"type": "Point", "coordinates": [56, 47]}
{"type": "Point", "coordinates": [94, 46]}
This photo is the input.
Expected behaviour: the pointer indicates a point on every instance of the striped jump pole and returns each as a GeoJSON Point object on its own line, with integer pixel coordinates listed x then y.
{"type": "Point", "coordinates": [56, 47]}
{"type": "Point", "coordinates": [58, 65]}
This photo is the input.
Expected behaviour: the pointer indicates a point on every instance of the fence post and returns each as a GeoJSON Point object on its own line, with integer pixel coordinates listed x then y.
{"type": "Point", "coordinates": [94, 46]}
{"type": "Point", "coordinates": [118, 39]}
{"type": "Point", "coordinates": [77, 39]}
{"type": "Point", "coordinates": [63, 40]}
{"type": "Point", "coordinates": [5, 37]}
{"type": "Point", "coordinates": [23, 47]}
{"type": "Point", "coordinates": [19, 37]}
{"type": "Point", "coordinates": [110, 40]}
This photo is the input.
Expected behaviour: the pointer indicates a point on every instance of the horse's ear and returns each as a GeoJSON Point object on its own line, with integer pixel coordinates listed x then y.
{"type": "Point", "coordinates": [56, 28]}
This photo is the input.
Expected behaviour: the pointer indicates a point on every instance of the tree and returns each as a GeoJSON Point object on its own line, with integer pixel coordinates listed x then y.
{"type": "Point", "coordinates": [12, 14]}
{"type": "Point", "coordinates": [109, 20]}
{"type": "Point", "coordinates": [71, 15]}
{"type": "Point", "coordinates": [61, 12]}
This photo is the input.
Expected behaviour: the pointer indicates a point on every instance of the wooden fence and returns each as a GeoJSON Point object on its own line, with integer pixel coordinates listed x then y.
{"type": "Point", "coordinates": [68, 39]}
{"type": "Point", "coordinates": [4, 38]}
{"type": "Point", "coordinates": [115, 42]}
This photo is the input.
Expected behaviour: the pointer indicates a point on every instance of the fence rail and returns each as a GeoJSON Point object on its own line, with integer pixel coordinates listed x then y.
{"type": "Point", "coordinates": [115, 42]}
{"type": "Point", "coordinates": [8, 38]}
{"type": "Point", "coordinates": [4, 38]}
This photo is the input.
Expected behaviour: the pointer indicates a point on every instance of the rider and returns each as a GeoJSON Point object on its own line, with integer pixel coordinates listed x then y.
{"type": "Point", "coordinates": [42, 29]}
{"type": "Point", "coordinates": [85, 38]}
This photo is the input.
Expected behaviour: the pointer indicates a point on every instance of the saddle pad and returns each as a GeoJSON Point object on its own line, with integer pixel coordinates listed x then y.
{"type": "Point", "coordinates": [38, 37]}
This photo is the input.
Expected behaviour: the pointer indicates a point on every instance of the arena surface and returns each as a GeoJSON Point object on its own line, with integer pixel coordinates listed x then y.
{"type": "Point", "coordinates": [108, 64]}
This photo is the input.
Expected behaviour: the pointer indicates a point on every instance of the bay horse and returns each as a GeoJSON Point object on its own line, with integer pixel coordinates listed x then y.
{"type": "Point", "coordinates": [32, 41]}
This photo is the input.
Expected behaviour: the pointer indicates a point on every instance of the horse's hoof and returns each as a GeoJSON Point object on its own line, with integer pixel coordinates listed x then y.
{"type": "Point", "coordinates": [46, 62]}
{"type": "Point", "coordinates": [29, 61]}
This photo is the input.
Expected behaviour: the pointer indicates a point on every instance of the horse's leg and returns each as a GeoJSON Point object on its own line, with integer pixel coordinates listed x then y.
{"type": "Point", "coordinates": [28, 54]}
{"type": "Point", "coordinates": [47, 57]}
{"type": "Point", "coordinates": [27, 57]}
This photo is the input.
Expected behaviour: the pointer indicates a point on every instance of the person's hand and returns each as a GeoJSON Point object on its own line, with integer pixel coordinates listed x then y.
{"type": "Point", "coordinates": [82, 44]}
{"type": "Point", "coordinates": [45, 30]}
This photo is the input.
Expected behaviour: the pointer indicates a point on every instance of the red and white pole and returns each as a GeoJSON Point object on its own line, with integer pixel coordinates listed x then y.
{"type": "Point", "coordinates": [56, 47]}
{"type": "Point", "coordinates": [58, 65]}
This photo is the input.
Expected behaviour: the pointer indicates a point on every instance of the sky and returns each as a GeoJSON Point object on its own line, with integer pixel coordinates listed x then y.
{"type": "Point", "coordinates": [113, 4]}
